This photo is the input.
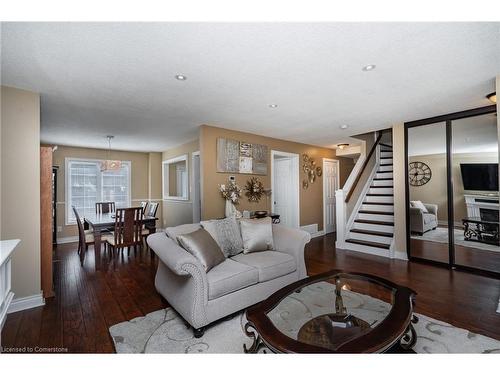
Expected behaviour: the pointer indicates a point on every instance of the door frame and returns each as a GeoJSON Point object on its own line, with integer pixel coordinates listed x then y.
{"type": "Point", "coordinates": [192, 185]}
{"type": "Point", "coordinates": [447, 119]}
{"type": "Point", "coordinates": [295, 181]}
{"type": "Point", "coordinates": [337, 169]}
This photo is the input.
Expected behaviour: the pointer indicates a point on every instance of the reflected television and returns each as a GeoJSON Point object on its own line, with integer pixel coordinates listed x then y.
{"type": "Point", "coordinates": [480, 177]}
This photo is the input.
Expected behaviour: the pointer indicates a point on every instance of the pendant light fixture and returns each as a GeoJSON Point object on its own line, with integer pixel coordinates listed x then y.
{"type": "Point", "coordinates": [492, 97]}
{"type": "Point", "coordinates": [110, 165]}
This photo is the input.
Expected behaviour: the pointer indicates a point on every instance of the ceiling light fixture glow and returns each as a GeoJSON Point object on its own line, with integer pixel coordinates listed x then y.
{"type": "Point", "coordinates": [367, 68]}
{"type": "Point", "coordinates": [342, 145]}
{"type": "Point", "coordinates": [344, 126]}
{"type": "Point", "coordinates": [180, 77]}
{"type": "Point", "coordinates": [273, 105]}
{"type": "Point", "coordinates": [492, 97]}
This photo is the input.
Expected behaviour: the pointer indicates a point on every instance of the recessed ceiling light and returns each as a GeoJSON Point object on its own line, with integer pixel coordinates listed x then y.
{"type": "Point", "coordinates": [367, 68]}
{"type": "Point", "coordinates": [180, 77]}
{"type": "Point", "coordinates": [344, 126]}
{"type": "Point", "coordinates": [342, 145]}
{"type": "Point", "coordinates": [273, 105]}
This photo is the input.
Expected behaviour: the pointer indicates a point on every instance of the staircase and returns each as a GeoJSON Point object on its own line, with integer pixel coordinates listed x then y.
{"type": "Point", "coordinates": [372, 229]}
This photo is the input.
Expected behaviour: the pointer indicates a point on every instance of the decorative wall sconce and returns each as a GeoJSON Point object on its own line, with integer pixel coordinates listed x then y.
{"type": "Point", "coordinates": [311, 170]}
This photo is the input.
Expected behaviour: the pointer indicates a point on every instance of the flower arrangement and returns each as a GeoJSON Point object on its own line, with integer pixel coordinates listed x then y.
{"type": "Point", "coordinates": [254, 189]}
{"type": "Point", "coordinates": [230, 192]}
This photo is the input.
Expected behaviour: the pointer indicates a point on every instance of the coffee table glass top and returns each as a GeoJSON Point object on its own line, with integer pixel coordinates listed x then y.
{"type": "Point", "coordinates": [333, 311]}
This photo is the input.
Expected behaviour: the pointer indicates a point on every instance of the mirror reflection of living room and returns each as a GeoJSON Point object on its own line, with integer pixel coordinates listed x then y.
{"type": "Point", "coordinates": [473, 156]}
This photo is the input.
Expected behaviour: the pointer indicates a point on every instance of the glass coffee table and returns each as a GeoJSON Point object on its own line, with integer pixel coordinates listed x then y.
{"type": "Point", "coordinates": [334, 312]}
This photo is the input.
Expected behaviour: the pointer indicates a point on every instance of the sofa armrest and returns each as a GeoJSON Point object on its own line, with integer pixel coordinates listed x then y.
{"type": "Point", "coordinates": [432, 208]}
{"type": "Point", "coordinates": [292, 241]}
{"type": "Point", "coordinates": [415, 212]}
{"type": "Point", "coordinates": [173, 256]}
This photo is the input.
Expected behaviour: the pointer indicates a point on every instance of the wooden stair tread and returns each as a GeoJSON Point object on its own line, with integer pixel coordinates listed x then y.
{"type": "Point", "coordinates": [383, 179]}
{"type": "Point", "coordinates": [376, 212]}
{"type": "Point", "coordinates": [384, 171]}
{"type": "Point", "coordinates": [369, 243]}
{"type": "Point", "coordinates": [376, 222]}
{"type": "Point", "coordinates": [380, 203]}
{"type": "Point", "coordinates": [381, 186]}
{"type": "Point", "coordinates": [372, 232]}
{"type": "Point", "coordinates": [379, 195]}
{"type": "Point", "coordinates": [383, 144]}
{"type": "Point", "coordinates": [386, 157]}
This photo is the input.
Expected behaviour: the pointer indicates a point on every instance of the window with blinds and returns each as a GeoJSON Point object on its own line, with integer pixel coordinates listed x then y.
{"type": "Point", "coordinates": [86, 184]}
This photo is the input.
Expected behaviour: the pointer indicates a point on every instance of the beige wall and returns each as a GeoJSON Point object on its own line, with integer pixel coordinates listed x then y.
{"type": "Point", "coordinates": [20, 180]}
{"type": "Point", "coordinates": [311, 200]}
{"type": "Point", "coordinates": [178, 212]}
{"type": "Point", "coordinates": [144, 178]}
{"type": "Point", "coordinates": [435, 190]}
{"type": "Point", "coordinates": [399, 162]}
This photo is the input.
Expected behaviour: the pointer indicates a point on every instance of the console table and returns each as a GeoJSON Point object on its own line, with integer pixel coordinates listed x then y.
{"type": "Point", "coordinates": [6, 294]}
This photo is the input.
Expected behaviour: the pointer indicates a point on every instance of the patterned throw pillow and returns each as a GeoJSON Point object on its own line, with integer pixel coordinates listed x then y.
{"type": "Point", "coordinates": [226, 232]}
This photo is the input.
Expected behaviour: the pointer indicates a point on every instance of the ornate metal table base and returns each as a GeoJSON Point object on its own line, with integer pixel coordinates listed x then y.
{"type": "Point", "coordinates": [257, 344]}
{"type": "Point", "coordinates": [410, 336]}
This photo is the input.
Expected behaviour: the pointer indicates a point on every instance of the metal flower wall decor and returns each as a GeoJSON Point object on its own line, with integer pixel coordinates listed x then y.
{"type": "Point", "coordinates": [311, 170]}
{"type": "Point", "coordinates": [254, 189]}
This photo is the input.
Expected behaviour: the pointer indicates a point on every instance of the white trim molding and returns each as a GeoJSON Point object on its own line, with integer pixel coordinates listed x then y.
{"type": "Point", "coordinates": [25, 303]}
{"type": "Point", "coordinates": [312, 229]}
{"type": "Point", "coordinates": [295, 182]}
{"type": "Point", "coordinates": [7, 248]}
{"type": "Point", "coordinates": [337, 178]}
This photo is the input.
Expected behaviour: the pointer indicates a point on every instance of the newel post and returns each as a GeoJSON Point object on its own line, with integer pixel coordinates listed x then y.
{"type": "Point", "coordinates": [341, 219]}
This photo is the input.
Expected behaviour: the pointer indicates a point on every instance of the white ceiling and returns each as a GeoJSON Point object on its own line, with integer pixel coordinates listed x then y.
{"type": "Point", "coordinates": [118, 78]}
{"type": "Point", "coordinates": [469, 135]}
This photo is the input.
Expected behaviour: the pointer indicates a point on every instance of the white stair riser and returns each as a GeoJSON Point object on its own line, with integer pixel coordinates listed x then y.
{"type": "Point", "coordinates": [384, 175]}
{"type": "Point", "coordinates": [382, 183]}
{"type": "Point", "coordinates": [385, 154]}
{"type": "Point", "coordinates": [388, 199]}
{"type": "Point", "coordinates": [381, 190]}
{"type": "Point", "coordinates": [383, 168]}
{"type": "Point", "coordinates": [385, 161]}
{"type": "Point", "coordinates": [386, 218]}
{"type": "Point", "coordinates": [370, 237]}
{"type": "Point", "coordinates": [375, 227]}
{"type": "Point", "coordinates": [366, 249]}
{"type": "Point", "coordinates": [376, 207]}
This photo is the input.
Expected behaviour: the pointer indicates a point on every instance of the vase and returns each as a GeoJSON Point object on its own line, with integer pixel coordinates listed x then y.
{"type": "Point", "coordinates": [231, 210]}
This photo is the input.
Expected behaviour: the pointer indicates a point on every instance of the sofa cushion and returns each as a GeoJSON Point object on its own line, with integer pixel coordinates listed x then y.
{"type": "Point", "coordinates": [173, 232]}
{"type": "Point", "coordinates": [429, 218]}
{"type": "Point", "coordinates": [270, 264]}
{"type": "Point", "coordinates": [226, 232]}
{"type": "Point", "coordinates": [230, 276]}
{"type": "Point", "coordinates": [203, 247]}
{"type": "Point", "coordinates": [257, 234]}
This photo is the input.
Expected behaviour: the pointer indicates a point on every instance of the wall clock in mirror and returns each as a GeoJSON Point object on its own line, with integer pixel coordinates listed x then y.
{"type": "Point", "coordinates": [419, 173]}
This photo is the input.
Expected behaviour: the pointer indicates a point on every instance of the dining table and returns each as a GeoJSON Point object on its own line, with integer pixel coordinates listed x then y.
{"type": "Point", "coordinates": [104, 222]}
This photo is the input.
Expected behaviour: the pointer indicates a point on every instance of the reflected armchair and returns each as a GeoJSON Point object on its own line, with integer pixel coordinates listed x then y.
{"type": "Point", "coordinates": [423, 217]}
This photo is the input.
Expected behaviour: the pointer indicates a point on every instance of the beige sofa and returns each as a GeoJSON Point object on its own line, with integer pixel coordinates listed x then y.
{"type": "Point", "coordinates": [240, 281]}
{"type": "Point", "coordinates": [421, 222]}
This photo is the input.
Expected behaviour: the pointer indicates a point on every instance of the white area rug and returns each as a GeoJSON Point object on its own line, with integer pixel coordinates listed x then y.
{"type": "Point", "coordinates": [163, 331]}
{"type": "Point", "coordinates": [441, 235]}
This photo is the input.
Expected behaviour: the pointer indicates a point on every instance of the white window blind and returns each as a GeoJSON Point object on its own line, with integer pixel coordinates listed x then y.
{"type": "Point", "coordinates": [86, 185]}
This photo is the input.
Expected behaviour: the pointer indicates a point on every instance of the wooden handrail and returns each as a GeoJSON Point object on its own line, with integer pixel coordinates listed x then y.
{"type": "Point", "coordinates": [365, 163]}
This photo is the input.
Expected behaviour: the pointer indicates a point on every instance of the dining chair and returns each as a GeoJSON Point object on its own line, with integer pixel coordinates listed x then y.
{"type": "Point", "coordinates": [151, 212]}
{"type": "Point", "coordinates": [128, 229]}
{"type": "Point", "coordinates": [104, 207]}
{"type": "Point", "coordinates": [144, 205]}
{"type": "Point", "coordinates": [85, 237]}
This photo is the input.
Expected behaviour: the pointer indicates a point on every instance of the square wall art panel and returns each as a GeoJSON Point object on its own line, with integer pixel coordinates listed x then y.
{"type": "Point", "coordinates": [241, 157]}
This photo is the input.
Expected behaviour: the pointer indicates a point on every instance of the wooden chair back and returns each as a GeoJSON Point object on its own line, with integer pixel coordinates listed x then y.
{"type": "Point", "coordinates": [128, 226]}
{"type": "Point", "coordinates": [144, 206]}
{"type": "Point", "coordinates": [81, 231]}
{"type": "Point", "coordinates": [152, 208]}
{"type": "Point", "coordinates": [104, 207]}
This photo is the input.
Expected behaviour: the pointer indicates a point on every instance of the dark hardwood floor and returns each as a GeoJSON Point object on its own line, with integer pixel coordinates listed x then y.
{"type": "Point", "coordinates": [88, 302]}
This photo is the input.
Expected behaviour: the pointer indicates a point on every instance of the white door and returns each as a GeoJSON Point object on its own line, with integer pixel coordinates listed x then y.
{"type": "Point", "coordinates": [282, 193]}
{"type": "Point", "coordinates": [329, 187]}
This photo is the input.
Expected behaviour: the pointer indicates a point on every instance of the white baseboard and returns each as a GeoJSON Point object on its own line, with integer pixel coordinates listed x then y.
{"type": "Point", "coordinates": [24, 303]}
{"type": "Point", "coordinates": [312, 229]}
{"type": "Point", "coordinates": [71, 239]}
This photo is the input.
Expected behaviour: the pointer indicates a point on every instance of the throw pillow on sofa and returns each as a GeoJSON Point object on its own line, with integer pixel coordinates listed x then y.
{"type": "Point", "coordinates": [419, 205]}
{"type": "Point", "coordinates": [203, 247]}
{"type": "Point", "coordinates": [257, 234]}
{"type": "Point", "coordinates": [226, 232]}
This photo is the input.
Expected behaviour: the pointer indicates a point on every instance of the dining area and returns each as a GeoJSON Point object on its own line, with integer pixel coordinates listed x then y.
{"type": "Point", "coordinates": [114, 230]}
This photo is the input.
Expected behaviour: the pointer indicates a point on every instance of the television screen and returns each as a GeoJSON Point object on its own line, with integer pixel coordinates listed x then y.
{"type": "Point", "coordinates": [480, 176]}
